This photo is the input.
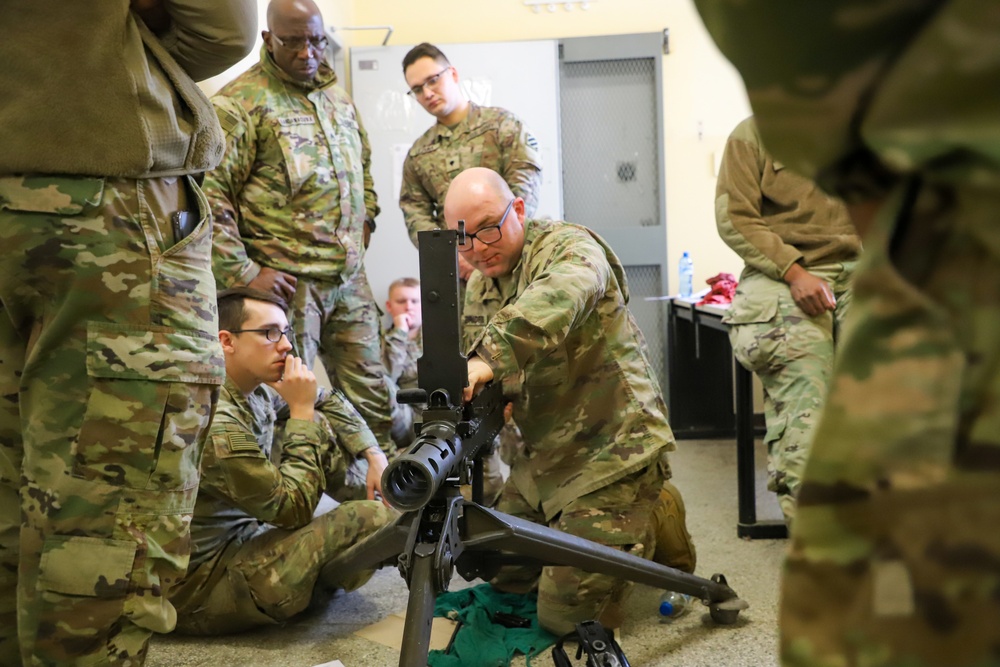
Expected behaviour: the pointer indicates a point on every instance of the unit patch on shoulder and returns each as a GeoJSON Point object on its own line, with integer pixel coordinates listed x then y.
{"type": "Point", "coordinates": [242, 442]}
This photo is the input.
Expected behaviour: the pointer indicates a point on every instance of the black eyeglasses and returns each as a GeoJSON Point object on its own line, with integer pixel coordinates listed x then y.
{"type": "Point", "coordinates": [272, 334]}
{"type": "Point", "coordinates": [431, 82]}
{"type": "Point", "coordinates": [296, 44]}
{"type": "Point", "coordinates": [486, 235]}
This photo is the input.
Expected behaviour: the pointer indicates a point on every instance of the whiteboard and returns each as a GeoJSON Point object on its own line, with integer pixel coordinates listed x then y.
{"type": "Point", "coordinates": [522, 77]}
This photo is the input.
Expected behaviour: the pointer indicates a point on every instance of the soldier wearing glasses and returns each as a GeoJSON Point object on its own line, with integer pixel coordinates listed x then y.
{"type": "Point", "coordinates": [258, 551]}
{"type": "Point", "coordinates": [465, 135]}
{"type": "Point", "coordinates": [547, 311]}
{"type": "Point", "coordinates": [295, 204]}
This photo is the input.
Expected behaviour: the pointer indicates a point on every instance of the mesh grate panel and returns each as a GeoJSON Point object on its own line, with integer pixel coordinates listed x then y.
{"type": "Point", "coordinates": [609, 147]}
{"type": "Point", "coordinates": [644, 281]}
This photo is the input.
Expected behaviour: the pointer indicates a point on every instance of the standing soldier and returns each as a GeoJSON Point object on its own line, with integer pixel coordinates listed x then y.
{"type": "Point", "coordinates": [110, 364]}
{"type": "Point", "coordinates": [465, 135]}
{"type": "Point", "coordinates": [295, 205]}
{"type": "Point", "coordinates": [800, 250]}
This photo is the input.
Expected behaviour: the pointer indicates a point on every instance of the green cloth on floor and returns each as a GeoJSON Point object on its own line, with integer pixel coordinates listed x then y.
{"type": "Point", "coordinates": [480, 642]}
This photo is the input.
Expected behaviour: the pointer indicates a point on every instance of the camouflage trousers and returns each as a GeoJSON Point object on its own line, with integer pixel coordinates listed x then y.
{"type": "Point", "coordinates": [895, 558]}
{"type": "Point", "coordinates": [109, 372]}
{"type": "Point", "coordinates": [792, 354]}
{"type": "Point", "coordinates": [619, 515]}
{"type": "Point", "coordinates": [272, 576]}
{"type": "Point", "coordinates": [340, 324]}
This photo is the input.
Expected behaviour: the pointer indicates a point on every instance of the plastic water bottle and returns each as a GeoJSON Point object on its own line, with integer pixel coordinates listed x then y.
{"type": "Point", "coordinates": [673, 605]}
{"type": "Point", "coordinates": [686, 272]}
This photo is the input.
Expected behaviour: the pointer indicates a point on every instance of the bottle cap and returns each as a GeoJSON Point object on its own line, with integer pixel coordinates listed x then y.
{"type": "Point", "coordinates": [666, 609]}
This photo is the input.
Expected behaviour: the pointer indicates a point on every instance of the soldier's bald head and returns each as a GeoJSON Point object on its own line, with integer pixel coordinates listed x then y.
{"type": "Point", "coordinates": [280, 12]}
{"type": "Point", "coordinates": [475, 186]}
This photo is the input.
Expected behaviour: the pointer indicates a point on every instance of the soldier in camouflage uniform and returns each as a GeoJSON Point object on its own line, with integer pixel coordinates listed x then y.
{"type": "Point", "coordinates": [465, 135]}
{"type": "Point", "coordinates": [894, 107]}
{"type": "Point", "coordinates": [401, 347]}
{"type": "Point", "coordinates": [258, 551]}
{"type": "Point", "coordinates": [800, 249]}
{"type": "Point", "coordinates": [294, 204]}
{"type": "Point", "coordinates": [109, 360]}
{"type": "Point", "coordinates": [549, 308]}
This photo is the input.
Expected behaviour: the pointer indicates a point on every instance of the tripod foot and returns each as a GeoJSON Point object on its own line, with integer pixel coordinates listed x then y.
{"type": "Point", "coordinates": [727, 611]}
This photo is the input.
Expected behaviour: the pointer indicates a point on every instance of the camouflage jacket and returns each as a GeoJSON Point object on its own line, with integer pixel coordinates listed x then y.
{"type": "Point", "coordinates": [772, 217]}
{"type": "Point", "coordinates": [399, 355]}
{"type": "Point", "coordinates": [487, 137]}
{"type": "Point", "coordinates": [559, 334]}
{"type": "Point", "coordinates": [294, 187]}
{"type": "Point", "coordinates": [241, 490]}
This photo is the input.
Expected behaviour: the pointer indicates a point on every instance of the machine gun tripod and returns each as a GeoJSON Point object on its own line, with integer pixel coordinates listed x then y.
{"type": "Point", "coordinates": [439, 531]}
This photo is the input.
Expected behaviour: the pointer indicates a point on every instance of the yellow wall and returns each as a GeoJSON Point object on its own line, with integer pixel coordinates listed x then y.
{"type": "Point", "coordinates": [703, 96]}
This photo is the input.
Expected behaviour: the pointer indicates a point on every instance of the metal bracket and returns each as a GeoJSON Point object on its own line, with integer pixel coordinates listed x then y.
{"type": "Point", "coordinates": [666, 41]}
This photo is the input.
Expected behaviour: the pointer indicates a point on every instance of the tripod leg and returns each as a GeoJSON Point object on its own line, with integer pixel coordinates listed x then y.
{"type": "Point", "coordinates": [489, 537]}
{"type": "Point", "coordinates": [419, 610]}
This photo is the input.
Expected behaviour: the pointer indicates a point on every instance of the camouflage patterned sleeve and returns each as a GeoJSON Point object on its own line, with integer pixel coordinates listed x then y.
{"type": "Point", "coordinates": [237, 470]}
{"type": "Point", "coordinates": [415, 202]}
{"type": "Point", "coordinates": [395, 352]}
{"type": "Point", "coordinates": [521, 163]}
{"type": "Point", "coordinates": [223, 185]}
{"type": "Point", "coordinates": [568, 274]}
{"type": "Point", "coordinates": [350, 429]}
{"type": "Point", "coordinates": [371, 199]}
{"type": "Point", "coordinates": [738, 200]}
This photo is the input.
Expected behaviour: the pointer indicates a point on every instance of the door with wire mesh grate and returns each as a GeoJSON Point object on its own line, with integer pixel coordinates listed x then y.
{"type": "Point", "coordinates": [611, 130]}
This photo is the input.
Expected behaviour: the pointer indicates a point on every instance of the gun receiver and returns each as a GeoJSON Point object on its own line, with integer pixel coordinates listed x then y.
{"type": "Point", "coordinates": [451, 434]}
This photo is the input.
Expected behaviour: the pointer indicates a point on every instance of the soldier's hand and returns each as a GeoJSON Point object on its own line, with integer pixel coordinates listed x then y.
{"type": "Point", "coordinates": [479, 374]}
{"type": "Point", "coordinates": [403, 322]}
{"type": "Point", "coordinates": [377, 463]}
{"type": "Point", "coordinates": [464, 268]}
{"type": "Point", "coordinates": [366, 237]}
{"type": "Point", "coordinates": [275, 282]}
{"type": "Point", "coordinates": [298, 387]}
{"type": "Point", "coordinates": [811, 293]}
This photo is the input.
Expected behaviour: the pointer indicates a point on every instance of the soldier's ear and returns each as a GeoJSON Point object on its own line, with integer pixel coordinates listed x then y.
{"type": "Point", "coordinates": [227, 339]}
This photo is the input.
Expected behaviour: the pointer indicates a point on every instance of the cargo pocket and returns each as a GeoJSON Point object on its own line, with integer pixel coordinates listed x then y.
{"type": "Point", "coordinates": [83, 582]}
{"type": "Point", "coordinates": [755, 332]}
{"type": "Point", "coordinates": [151, 393]}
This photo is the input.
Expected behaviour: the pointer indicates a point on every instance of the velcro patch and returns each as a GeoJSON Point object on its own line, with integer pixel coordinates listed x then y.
{"type": "Point", "coordinates": [242, 442]}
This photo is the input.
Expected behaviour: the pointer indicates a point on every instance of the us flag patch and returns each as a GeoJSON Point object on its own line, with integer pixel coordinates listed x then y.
{"type": "Point", "coordinates": [242, 442]}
